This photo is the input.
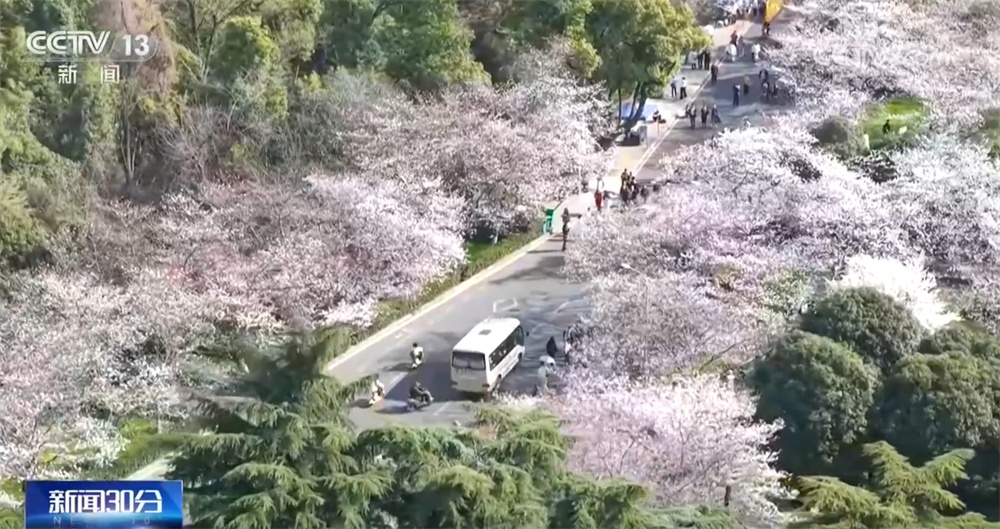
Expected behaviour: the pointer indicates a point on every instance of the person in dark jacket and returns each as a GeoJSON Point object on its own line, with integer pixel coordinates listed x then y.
{"type": "Point", "coordinates": [551, 347]}
{"type": "Point", "coordinates": [715, 72]}
{"type": "Point", "coordinates": [704, 116]}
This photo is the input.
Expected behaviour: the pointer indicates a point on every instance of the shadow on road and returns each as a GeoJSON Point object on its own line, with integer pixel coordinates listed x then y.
{"type": "Point", "coordinates": [546, 268]}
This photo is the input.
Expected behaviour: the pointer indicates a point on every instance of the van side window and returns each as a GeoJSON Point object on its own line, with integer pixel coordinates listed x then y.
{"type": "Point", "coordinates": [502, 351]}
{"type": "Point", "coordinates": [519, 336]}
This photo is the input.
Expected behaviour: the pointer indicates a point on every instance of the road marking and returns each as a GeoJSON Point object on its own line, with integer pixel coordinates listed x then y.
{"type": "Point", "coordinates": [395, 380]}
{"type": "Point", "coordinates": [442, 408]}
{"type": "Point", "coordinates": [562, 306]}
{"type": "Point", "coordinates": [504, 302]}
{"type": "Point", "coordinates": [536, 327]}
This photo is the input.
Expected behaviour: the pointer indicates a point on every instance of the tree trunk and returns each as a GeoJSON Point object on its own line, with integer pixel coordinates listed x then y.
{"type": "Point", "coordinates": [638, 103]}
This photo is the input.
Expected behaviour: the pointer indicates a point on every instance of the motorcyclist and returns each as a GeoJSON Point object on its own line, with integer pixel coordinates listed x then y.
{"type": "Point", "coordinates": [377, 389]}
{"type": "Point", "coordinates": [420, 395]}
{"type": "Point", "coordinates": [416, 355]}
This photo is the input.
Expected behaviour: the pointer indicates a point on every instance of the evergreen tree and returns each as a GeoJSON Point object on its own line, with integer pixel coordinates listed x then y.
{"type": "Point", "coordinates": [280, 452]}
{"type": "Point", "coordinates": [896, 494]}
{"type": "Point", "coordinates": [276, 451]}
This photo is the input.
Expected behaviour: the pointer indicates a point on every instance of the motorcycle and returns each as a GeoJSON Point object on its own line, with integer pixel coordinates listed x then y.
{"type": "Point", "coordinates": [377, 396]}
{"type": "Point", "coordinates": [418, 404]}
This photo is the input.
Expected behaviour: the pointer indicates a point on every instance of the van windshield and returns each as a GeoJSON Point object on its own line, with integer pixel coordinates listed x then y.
{"type": "Point", "coordinates": [466, 360]}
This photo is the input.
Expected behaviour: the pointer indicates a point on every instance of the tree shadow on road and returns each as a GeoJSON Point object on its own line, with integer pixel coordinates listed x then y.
{"type": "Point", "coordinates": [548, 267]}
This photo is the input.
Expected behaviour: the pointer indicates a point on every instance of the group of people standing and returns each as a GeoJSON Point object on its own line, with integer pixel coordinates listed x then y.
{"type": "Point", "coordinates": [693, 112]}
{"type": "Point", "coordinates": [630, 191]}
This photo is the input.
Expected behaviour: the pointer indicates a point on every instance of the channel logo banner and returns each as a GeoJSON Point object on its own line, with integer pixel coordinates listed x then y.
{"type": "Point", "coordinates": [103, 504]}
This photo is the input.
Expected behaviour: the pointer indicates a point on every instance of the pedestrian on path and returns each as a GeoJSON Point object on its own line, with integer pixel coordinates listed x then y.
{"type": "Point", "coordinates": [644, 192]}
{"type": "Point", "coordinates": [704, 116]}
{"type": "Point", "coordinates": [746, 85]}
{"type": "Point", "coordinates": [692, 114]}
{"type": "Point", "coordinates": [684, 88]}
{"type": "Point", "coordinates": [715, 73]}
{"type": "Point", "coordinates": [565, 234]}
{"type": "Point", "coordinates": [755, 51]}
{"type": "Point", "coordinates": [716, 120]}
{"type": "Point", "coordinates": [731, 53]}
{"type": "Point", "coordinates": [736, 95]}
{"type": "Point", "coordinates": [765, 89]}
{"type": "Point", "coordinates": [673, 88]}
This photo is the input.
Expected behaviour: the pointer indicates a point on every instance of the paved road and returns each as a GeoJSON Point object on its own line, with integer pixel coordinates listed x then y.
{"type": "Point", "coordinates": [531, 289]}
{"type": "Point", "coordinates": [721, 94]}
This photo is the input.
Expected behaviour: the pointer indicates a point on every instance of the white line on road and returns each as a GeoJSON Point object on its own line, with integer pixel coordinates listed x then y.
{"type": "Point", "coordinates": [562, 306]}
{"type": "Point", "coordinates": [504, 302]}
{"type": "Point", "coordinates": [442, 408]}
{"type": "Point", "coordinates": [395, 380]}
{"type": "Point", "coordinates": [536, 327]}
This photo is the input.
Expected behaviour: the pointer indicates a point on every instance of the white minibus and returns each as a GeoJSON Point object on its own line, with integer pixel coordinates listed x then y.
{"type": "Point", "coordinates": [487, 354]}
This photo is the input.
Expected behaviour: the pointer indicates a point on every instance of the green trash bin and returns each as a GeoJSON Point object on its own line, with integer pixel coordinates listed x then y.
{"type": "Point", "coordinates": [550, 215]}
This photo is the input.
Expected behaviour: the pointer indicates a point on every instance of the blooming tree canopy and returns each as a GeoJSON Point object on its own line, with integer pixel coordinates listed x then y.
{"type": "Point", "coordinates": [909, 283]}
{"type": "Point", "coordinates": [503, 153]}
{"type": "Point", "coordinates": [70, 344]}
{"type": "Point", "coordinates": [322, 255]}
{"type": "Point", "coordinates": [947, 197]}
{"type": "Point", "coordinates": [688, 440]}
{"type": "Point", "coordinates": [884, 47]}
{"type": "Point", "coordinates": [651, 326]}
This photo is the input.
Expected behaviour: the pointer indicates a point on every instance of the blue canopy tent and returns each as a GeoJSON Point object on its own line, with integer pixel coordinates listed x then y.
{"type": "Point", "coordinates": [647, 110]}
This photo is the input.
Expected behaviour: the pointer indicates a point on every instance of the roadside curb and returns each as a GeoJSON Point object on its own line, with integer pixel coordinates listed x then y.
{"type": "Point", "coordinates": [445, 297]}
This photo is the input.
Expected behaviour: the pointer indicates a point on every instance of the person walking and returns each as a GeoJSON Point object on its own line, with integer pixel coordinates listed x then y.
{"type": "Point", "coordinates": [684, 88]}
{"type": "Point", "coordinates": [704, 116]}
{"type": "Point", "coordinates": [692, 114]}
{"type": "Point", "coordinates": [673, 88]}
{"type": "Point", "coordinates": [565, 234]}
{"type": "Point", "coordinates": [746, 85]}
{"type": "Point", "coordinates": [755, 51]}
{"type": "Point", "coordinates": [714, 69]}
{"type": "Point", "coordinates": [716, 120]}
{"type": "Point", "coordinates": [736, 95]}
{"type": "Point", "coordinates": [599, 193]}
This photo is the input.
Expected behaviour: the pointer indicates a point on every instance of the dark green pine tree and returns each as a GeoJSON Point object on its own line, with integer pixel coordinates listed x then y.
{"type": "Point", "coordinates": [275, 452]}
{"type": "Point", "coordinates": [508, 472]}
{"type": "Point", "coordinates": [896, 495]}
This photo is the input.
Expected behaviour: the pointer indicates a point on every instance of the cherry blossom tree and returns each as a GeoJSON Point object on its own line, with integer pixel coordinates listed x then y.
{"type": "Point", "coordinates": [322, 255]}
{"type": "Point", "coordinates": [688, 439]}
{"type": "Point", "coordinates": [885, 47]}
{"type": "Point", "coordinates": [947, 197]}
{"type": "Point", "coordinates": [749, 222]}
{"type": "Point", "coordinates": [503, 153]}
{"type": "Point", "coordinates": [651, 326]}
{"type": "Point", "coordinates": [72, 345]}
{"type": "Point", "coordinates": [909, 283]}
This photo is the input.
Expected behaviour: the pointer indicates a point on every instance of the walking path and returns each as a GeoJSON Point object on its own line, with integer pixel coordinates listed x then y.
{"type": "Point", "coordinates": [643, 160]}
{"type": "Point", "coordinates": [521, 281]}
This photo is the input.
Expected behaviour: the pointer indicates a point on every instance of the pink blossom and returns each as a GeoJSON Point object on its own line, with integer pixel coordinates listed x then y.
{"type": "Point", "coordinates": [908, 282]}
{"type": "Point", "coordinates": [321, 255]}
{"type": "Point", "coordinates": [65, 342]}
{"type": "Point", "coordinates": [650, 326]}
{"type": "Point", "coordinates": [503, 153]}
{"type": "Point", "coordinates": [947, 197]}
{"type": "Point", "coordinates": [687, 439]}
{"type": "Point", "coordinates": [930, 51]}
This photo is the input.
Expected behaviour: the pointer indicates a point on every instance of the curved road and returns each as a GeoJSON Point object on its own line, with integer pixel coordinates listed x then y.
{"type": "Point", "coordinates": [529, 288]}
